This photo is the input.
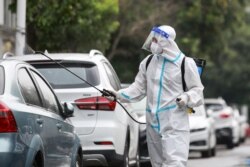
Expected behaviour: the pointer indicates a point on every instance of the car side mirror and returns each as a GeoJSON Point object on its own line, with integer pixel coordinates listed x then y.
{"type": "Point", "coordinates": [68, 109]}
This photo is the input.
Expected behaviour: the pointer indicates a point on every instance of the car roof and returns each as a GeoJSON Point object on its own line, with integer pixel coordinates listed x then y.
{"type": "Point", "coordinates": [9, 66]}
{"type": "Point", "coordinates": [92, 55]}
{"type": "Point", "coordinates": [215, 100]}
{"type": "Point", "coordinates": [11, 62]}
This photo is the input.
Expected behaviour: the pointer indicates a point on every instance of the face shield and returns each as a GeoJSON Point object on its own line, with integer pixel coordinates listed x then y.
{"type": "Point", "coordinates": [156, 35]}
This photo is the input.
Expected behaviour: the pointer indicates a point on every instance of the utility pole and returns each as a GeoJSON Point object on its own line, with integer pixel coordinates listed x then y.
{"type": "Point", "coordinates": [1, 12]}
{"type": "Point", "coordinates": [20, 27]}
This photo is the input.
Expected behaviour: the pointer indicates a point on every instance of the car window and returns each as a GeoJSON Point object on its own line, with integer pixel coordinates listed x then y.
{"type": "Point", "coordinates": [49, 97]}
{"type": "Point", "coordinates": [1, 80]}
{"type": "Point", "coordinates": [214, 106]}
{"type": "Point", "coordinates": [114, 81]}
{"type": "Point", "coordinates": [28, 89]}
{"type": "Point", "coordinates": [60, 78]}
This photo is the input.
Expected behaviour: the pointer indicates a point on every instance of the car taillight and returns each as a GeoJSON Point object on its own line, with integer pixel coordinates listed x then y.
{"type": "Point", "coordinates": [103, 143]}
{"type": "Point", "coordinates": [95, 103]}
{"type": "Point", "coordinates": [7, 120]}
{"type": "Point", "coordinates": [224, 115]}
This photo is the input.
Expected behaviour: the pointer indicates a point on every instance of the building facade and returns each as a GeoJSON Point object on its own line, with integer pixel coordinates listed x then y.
{"type": "Point", "coordinates": [7, 28]}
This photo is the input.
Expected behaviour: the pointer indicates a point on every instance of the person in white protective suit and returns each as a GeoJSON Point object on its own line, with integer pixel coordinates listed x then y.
{"type": "Point", "coordinates": [167, 119]}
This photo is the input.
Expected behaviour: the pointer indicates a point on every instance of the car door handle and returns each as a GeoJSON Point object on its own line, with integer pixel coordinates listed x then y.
{"type": "Point", "coordinates": [59, 126]}
{"type": "Point", "coordinates": [39, 121]}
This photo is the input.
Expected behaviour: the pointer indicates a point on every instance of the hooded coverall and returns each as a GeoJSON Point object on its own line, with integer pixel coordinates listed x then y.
{"type": "Point", "coordinates": [167, 123]}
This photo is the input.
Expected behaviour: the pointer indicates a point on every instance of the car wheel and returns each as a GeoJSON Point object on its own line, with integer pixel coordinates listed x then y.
{"type": "Point", "coordinates": [206, 154]}
{"type": "Point", "coordinates": [243, 140]}
{"type": "Point", "coordinates": [38, 160]}
{"type": "Point", "coordinates": [213, 152]}
{"type": "Point", "coordinates": [34, 164]}
{"type": "Point", "coordinates": [147, 164]}
{"type": "Point", "coordinates": [138, 164]}
{"type": "Point", "coordinates": [230, 144]}
{"type": "Point", "coordinates": [78, 161]}
{"type": "Point", "coordinates": [125, 162]}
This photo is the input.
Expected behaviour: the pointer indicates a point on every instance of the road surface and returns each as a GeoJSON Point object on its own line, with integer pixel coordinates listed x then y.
{"type": "Point", "coordinates": [237, 157]}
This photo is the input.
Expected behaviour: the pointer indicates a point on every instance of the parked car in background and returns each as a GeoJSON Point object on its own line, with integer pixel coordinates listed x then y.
{"type": "Point", "coordinates": [202, 132]}
{"type": "Point", "coordinates": [108, 136]}
{"type": "Point", "coordinates": [227, 127]}
{"type": "Point", "coordinates": [242, 121]}
{"type": "Point", "coordinates": [34, 127]}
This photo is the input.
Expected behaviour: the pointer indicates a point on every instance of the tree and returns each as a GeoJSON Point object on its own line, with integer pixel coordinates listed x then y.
{"type": "Point", "coordinates": [216, 30]}
{"type": "Point", "coordinates": [209, 27]}
{"type": "Point", "coordinates": [71, 25]}
{"type": "Point", "coordinates": [205, 29]}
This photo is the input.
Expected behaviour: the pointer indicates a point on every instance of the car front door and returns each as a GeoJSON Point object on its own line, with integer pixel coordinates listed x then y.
{"type": "Point", "coordinates": [63, 131]}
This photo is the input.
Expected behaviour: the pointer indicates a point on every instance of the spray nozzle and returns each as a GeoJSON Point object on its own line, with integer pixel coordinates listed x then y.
{"type": "Point", "coordinates": [108, 93]}
{"type": "Point", "coordinates": [178, 99]}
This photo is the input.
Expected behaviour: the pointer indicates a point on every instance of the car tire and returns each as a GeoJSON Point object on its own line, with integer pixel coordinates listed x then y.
{"type": "Point", "coordinates": [125, 162]}
{"type": "Point", "coordinates": [206, 154]}
{"type": "Point", "coordinates": [79, 162]}
{"type": "Point", "coordinates": [242, 140]}
{"type": "Point", "coordinates": [38, 160]}
{"type": "Point", "coordinates": [138, 163]}
{"type": "Point", "coordinates": [230, 144]}
{"type": "Point", "coordinates": [213, 152]}
{"type": "Point", "coordinates": [34, 164]}
{"type": "Point", "coordinates": [146, 164]}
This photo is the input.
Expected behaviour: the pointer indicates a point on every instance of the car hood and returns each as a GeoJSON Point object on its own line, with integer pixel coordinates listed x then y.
{"type": "Point", "coordinates": [142, 119]}
{"type": "Point", "coordinates": [197, 122]}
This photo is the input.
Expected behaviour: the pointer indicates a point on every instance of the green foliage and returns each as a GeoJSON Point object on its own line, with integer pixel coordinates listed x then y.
{"type": "Point", "coordinates": [217, 30]}
{"type": "Point", "coordinates": [71, 25]}
{"type": "Point", "coordinates": [210, 29]}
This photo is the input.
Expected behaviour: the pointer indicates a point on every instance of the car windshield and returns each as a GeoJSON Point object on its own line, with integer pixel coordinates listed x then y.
{"type": "Point", "coordinates": [60, 78]}
{"type": "Point", "coordinates": [214, 106]}
{"type": "Point", "coordinates": [1, 80]}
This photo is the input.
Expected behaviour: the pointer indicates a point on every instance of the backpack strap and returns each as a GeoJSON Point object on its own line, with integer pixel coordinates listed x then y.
{"type": "Point", "coordinates": [148, 61]}
{"type": "Point", "coordinates": [183, 74]}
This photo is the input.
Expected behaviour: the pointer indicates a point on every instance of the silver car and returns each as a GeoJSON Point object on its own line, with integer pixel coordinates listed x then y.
{"type": "Point", "coordinates": [108, 136]}
{"type": "Point", "coordinates": [34, 129]}
{"type": "Point", "coordinates": [226, 125]}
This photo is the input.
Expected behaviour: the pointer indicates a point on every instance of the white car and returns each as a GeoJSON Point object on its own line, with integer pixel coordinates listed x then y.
{"type": "Point", "coordinates": [139, 108]}
{"type": "Point", "coordinates": [202, 133]}
{"type": "Point", "coordinates": [242, 121]}
{"type": "Point", "coordinates": [227, 127]}
{"type": "Point", "coordinates": [108, 136]}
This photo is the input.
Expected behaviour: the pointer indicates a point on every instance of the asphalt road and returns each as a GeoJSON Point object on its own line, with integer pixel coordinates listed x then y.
{"type": "Point", "coordinates": [237, 157]}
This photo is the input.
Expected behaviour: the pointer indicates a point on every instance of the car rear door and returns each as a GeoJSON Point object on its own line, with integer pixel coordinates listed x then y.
{"type": "Point", "coordinates": [69, 87]}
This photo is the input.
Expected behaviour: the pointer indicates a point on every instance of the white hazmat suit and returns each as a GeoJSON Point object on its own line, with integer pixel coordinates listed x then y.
{"type": "Point", "coordinates": [167, 121]}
